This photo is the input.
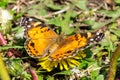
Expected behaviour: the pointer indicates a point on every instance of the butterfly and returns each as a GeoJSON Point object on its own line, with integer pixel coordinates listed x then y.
{"type": "Point", "coordinates": [42, 41]}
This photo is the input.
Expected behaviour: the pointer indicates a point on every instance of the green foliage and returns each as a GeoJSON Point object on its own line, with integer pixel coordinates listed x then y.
{"type": "Point", "coordinates": [68, 17]}
{"type": "Point", "coordinates": [64, 22]}
{"type": "Point", "coordinates": [64, 73]}
{"type": "Point", "coordinates": [95, 75]}
{"type": "Point", "coordinates": [117, 1]}
{"type": "Point", "coordinates": [113, 14]}
{"type": "Point", "coordinates": [16, 69]}
{"type": "Point", "coordinates": [50, 78]}
{"type": "Point", "coordinates": [81, 4]}
{"type": "Point", "coordinates": [3, 3]}
{"type": "Point", "coordinates": [40, 77]}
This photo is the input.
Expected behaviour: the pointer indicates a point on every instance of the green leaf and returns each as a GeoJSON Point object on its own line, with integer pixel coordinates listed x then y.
{"type": "Point", "coordinates": [96, 25]}
{"type": "Point", "coordinates": [85, 78]}
{"type": "Point", "coordinates": [40, 77]}
{"type": "Point", "coordinates": [68, 72]}
{"type": "Point", "coordinates": [56, 21]}
{"type": "Point", "coordinates": [94, 74]}
{"type": "Point", "coordinates": [116, 32]}
{"type": "Point", "coordinates": [117, 1]}
{"type": "Point", "coordinates": [107, 42]}
{"type": "Point", "coordinates": [100, 77]}
{"type": "Point", "coordinates": [111, 13]}
{"type": "Point", "coordinates": [38, 9]}
{"type": "Point", "coordinates": [50, 78]}
{"type": "Point", "coordinates": [54, 7]}
{"type": "Point", "coordinates": [64, 23]}
{"type": "Point", "coordinates": [7, 47]}
{"type": "Point", "coordinates": [16, 69]}
{"type": "Point", "coordinates": [113, 25]}
{"type": "Point", "coordinates": [81, 4]}
{"type": "Point", "coordinates": [67, 21]}
{"type": "Point", "coordinates": [114, 38]}
{"type": "Point", "coordinates": [83, 64]}
{"type": "Point", "coordinates": [3, 3]}
{"type": "Point", "coordinates": [93, 24]}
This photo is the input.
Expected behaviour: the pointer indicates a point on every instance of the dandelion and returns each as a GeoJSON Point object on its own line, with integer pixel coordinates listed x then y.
{"type": "Point", "coordinates": [66, 63]}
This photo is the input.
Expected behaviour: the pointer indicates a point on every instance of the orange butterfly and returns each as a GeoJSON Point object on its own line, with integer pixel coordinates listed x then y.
{"type": "Point", "coordinates": [43, 41]}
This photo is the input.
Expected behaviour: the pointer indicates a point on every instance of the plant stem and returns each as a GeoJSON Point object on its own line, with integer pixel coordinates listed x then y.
{"type": "Point", "coordinates": [113, 64]}
{"type": "Point", "coordinates": [3, 72]}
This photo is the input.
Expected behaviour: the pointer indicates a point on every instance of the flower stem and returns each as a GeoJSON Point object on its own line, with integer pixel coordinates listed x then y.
{"type": "Point", "coordinates": [113, 64]}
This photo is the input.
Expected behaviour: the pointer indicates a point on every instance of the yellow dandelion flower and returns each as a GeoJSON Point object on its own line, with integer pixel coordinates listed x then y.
{"type": "Point", "coordinates": [66, 63]}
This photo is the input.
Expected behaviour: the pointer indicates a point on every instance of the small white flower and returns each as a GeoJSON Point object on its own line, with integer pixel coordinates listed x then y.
{"type": "Point", "coordinates": [5, 16]}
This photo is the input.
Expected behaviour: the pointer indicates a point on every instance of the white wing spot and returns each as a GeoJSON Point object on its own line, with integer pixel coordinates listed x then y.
{"type": "Point", "coordinates": [91, 39]}
{"type": "Point", "coordinates": [28, 26]}
{"type": "Point", "coordinates": [97, 33]}
{"type": "Point", "coordinates": [30, 19]}
{"type": "Point", "coordinates": [26, 22]}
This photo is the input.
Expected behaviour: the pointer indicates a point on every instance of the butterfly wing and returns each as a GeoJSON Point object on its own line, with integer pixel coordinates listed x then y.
{"type": "Point", "coordinates": [68, 46]}
{"type": "Point", "coordinates": [71, 44]}
{"type": "Point", "coordinates": [39, 37]}
{"type": "Point", "coordinates": [37, 47]}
